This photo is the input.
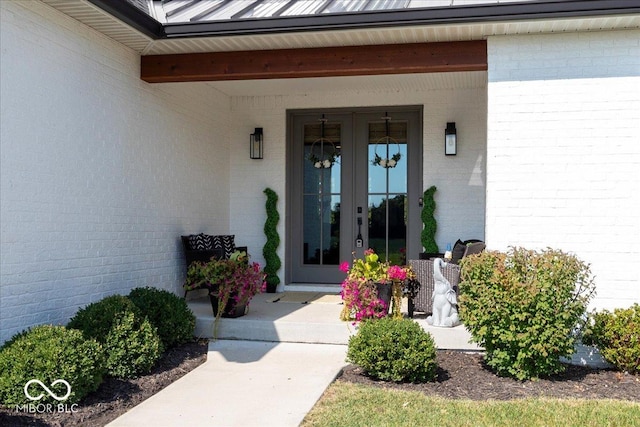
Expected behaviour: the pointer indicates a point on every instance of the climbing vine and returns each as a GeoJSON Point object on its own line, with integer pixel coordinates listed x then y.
{"type": "Point", "coordinates": [270, 249]}
{"type": "Point", "coordinates": [428, 235]}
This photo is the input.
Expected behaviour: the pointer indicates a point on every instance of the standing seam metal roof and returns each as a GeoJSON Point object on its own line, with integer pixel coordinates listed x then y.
{"type": "Point", "coordinates": [181, 19]}
{"type": "Point", "coordinates": [183, 11]}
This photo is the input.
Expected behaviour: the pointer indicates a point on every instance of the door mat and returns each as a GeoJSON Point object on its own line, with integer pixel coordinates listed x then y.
{"type": "Point", "coordinates": [307, 298]}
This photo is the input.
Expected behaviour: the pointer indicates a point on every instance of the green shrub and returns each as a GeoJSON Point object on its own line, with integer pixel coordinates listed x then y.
{"type": "Point", "coordinates": [428, 234]}
{"type": "Point", "coordinates": [130, 341]}
{"type": "Point", "coordinates": [167, 312]}
{"type": "Point", "coordinates": [617, 336]}
{"type": "Point", "coordinates": [394, 350]}
{"type": "Point", "coordinates": [96, 319]}
{"type": "Point", "coordinates": [523, 306]}
{"type": "Point", "coordinates": [132, 347]}
{"type": "Point", "coordinates": [270, 249]}
{"type": "Point", "coordinates": [49, 353]}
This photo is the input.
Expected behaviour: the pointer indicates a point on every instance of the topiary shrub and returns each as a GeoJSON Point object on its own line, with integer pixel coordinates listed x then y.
{"type": "Point", "coordinates": [166, 311]}
{"type": "Point", "coordinates": [617, 336]}
{"type": "Point", "coordinates": [522, 307]}
{"type": "Point", "coordinates": [270, 249]}
{"type": "Point", "coordinates": [428, 234]}
{"type": "Point", "coordinates": [132, 347]}
{"type": "Point", "coordinates": [129, 339]}
{"type": "Point", "coordinates": [49, 353]}
{"type": "Point", "coordinates": [96, 319]}
{"type": "Point", "coordinates": [394, 350]}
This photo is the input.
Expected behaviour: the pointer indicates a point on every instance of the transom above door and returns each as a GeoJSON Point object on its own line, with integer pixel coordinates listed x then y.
{"type": "Point", "coordinates": [354, 181]}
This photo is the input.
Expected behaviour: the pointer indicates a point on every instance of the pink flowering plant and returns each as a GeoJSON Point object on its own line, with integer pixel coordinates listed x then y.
{"type": "Point", "coordinates": [235, 280]}
{"type": "Point", "coordinates": [359, 292]}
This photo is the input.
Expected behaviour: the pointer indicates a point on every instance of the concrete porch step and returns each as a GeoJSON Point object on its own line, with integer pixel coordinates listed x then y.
{"type": "Point", "coordinates": [302, 323]}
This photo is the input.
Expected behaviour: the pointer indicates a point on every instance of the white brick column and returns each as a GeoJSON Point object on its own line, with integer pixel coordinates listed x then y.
{"type": "Point", "coordinates": [563, 151]}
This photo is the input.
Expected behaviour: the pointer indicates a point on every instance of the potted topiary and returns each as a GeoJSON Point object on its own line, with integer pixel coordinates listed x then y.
{"type": "Point", "coordinates": [269, 251]}
{"type": "Point", "coordinates": [428, 235]}
{"type": "Point", "coordinates": [232, 283]}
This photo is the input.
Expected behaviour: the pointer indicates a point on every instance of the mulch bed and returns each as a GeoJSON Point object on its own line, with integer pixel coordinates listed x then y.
{"type": "Point", "coordinates": [115, 397]}
{"type": "Point", "coordinates": [461, 375]}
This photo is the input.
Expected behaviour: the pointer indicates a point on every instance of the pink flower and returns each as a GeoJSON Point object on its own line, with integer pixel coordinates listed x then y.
{"type": "Point", "coordinates": [397, 273]}
{"type": "Point", "coordinates": [344, 267]}
{"type": "Point", "coordinates": [369, 252]}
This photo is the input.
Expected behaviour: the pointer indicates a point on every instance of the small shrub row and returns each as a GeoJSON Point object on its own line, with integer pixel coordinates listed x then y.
{"type": "Point", "coordinates": [119, 336]}
{"type": "Point", "coordinates": [523, 306]}
{"type": "Point", "coordinates": [617, 335]}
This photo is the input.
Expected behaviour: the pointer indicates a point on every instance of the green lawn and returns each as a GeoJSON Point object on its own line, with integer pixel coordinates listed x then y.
{"type": "Point", "coordinates": [347, 404]}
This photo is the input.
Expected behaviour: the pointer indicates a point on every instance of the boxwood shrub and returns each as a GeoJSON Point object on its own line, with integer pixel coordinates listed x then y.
{"type": "Point", "coordinates": [131, 343]}
{"type": "Point", "coordinates": [132, 346]}
{"type": "Point", "coordinates": [523, 307]}
{"type": "Point", "coordinates": [617, 335]}
{"type": "Point", "coordinates": [167, 312]}
{"type": "Point", "coordinates": [394, 350]}
{"type": "Point", "coordinates": [96, 319]}
{"type": "Point", "coordinates": [49, 353]}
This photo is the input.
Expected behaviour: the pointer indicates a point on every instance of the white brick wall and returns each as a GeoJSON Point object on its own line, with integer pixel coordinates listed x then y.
{"type": "Point", "coordinates": [100, 172]}
{"type": "Point", "coordinates": [563, 152]}
{"type": "Point", "coordinates": [459, 179]}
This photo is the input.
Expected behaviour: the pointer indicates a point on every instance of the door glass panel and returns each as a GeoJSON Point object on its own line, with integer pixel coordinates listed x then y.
{"type": "Point", "coordinates": [387, 190]}
{"type": "Point", "coordinates": [321, 194]}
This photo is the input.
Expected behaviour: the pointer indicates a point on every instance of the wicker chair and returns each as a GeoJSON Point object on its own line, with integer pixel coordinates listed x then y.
{"type": "Point", "coordinates": [423, 269]}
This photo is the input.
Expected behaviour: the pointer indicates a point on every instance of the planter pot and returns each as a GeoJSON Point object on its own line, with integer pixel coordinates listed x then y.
{"type": "Point", "coordinates": [384, 293]}
{"type": "Point", "coordinates": [237, 311]}
{"type": "Point", "coordinates": [271, 289]}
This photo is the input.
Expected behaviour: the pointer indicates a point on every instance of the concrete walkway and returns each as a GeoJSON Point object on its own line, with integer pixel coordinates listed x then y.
{"type": "Point", "coordinates": [267, 368]}
{"type": "Point", "coordinates": [244, 383]}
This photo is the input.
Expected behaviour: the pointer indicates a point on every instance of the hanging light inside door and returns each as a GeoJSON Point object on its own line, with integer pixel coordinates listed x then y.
{"type": "Point", "coordinates": [328, 153]}
{"type": "Point", "coordinates": [387, 140]}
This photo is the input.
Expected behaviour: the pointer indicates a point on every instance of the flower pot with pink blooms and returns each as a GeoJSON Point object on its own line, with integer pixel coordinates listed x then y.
{"type": "Point", "coordinates": [232, 283]}
{"type": "Point", "coordinates": [372, 287]}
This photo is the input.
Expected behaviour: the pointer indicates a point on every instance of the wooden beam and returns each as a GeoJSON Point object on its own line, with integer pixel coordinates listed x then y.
{"type": "Point", "coordinates": [316, 62]}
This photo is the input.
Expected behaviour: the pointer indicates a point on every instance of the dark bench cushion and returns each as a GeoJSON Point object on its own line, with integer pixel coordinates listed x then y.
{"type": "Point", "coordinates": [226, 243]}
{"type": "Point", "coordinates": [201, 247]}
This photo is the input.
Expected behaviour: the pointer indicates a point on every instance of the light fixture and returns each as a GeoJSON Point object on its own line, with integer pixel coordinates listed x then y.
{"type": "Point", "coordinates": [255, 144]}
{"type": "Point", "coordinates": [450, 139]}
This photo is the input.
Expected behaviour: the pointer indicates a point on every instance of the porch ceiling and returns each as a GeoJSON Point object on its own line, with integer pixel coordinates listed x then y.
{"type": "Point", "coordinates": [142, 39]}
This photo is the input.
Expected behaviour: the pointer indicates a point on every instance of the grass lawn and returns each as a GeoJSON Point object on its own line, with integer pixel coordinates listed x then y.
{"type": "Point", "coordinates": [347, 404]}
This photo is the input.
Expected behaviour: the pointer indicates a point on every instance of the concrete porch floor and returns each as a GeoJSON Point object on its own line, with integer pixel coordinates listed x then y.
{"type": "Point", "coordinates": [303, 323]}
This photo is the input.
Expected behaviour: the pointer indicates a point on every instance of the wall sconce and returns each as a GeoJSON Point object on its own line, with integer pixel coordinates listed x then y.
{"type": "Point", "coordinates": [450, 139]}
{"type": "Point", "coordinates": [255, 144]}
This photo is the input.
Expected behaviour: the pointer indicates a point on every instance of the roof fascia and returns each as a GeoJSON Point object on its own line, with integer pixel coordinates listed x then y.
{"type": "Point", "coordinates": [132, 16]}
{"type": "Point", "coordinates": [545, 9]}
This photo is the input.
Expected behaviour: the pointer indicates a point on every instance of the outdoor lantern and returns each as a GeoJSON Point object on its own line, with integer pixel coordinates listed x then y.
{"type": "Point", "coordinates": [255, 144]}
{"type": "Point", "coordinates": [450, 139]}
